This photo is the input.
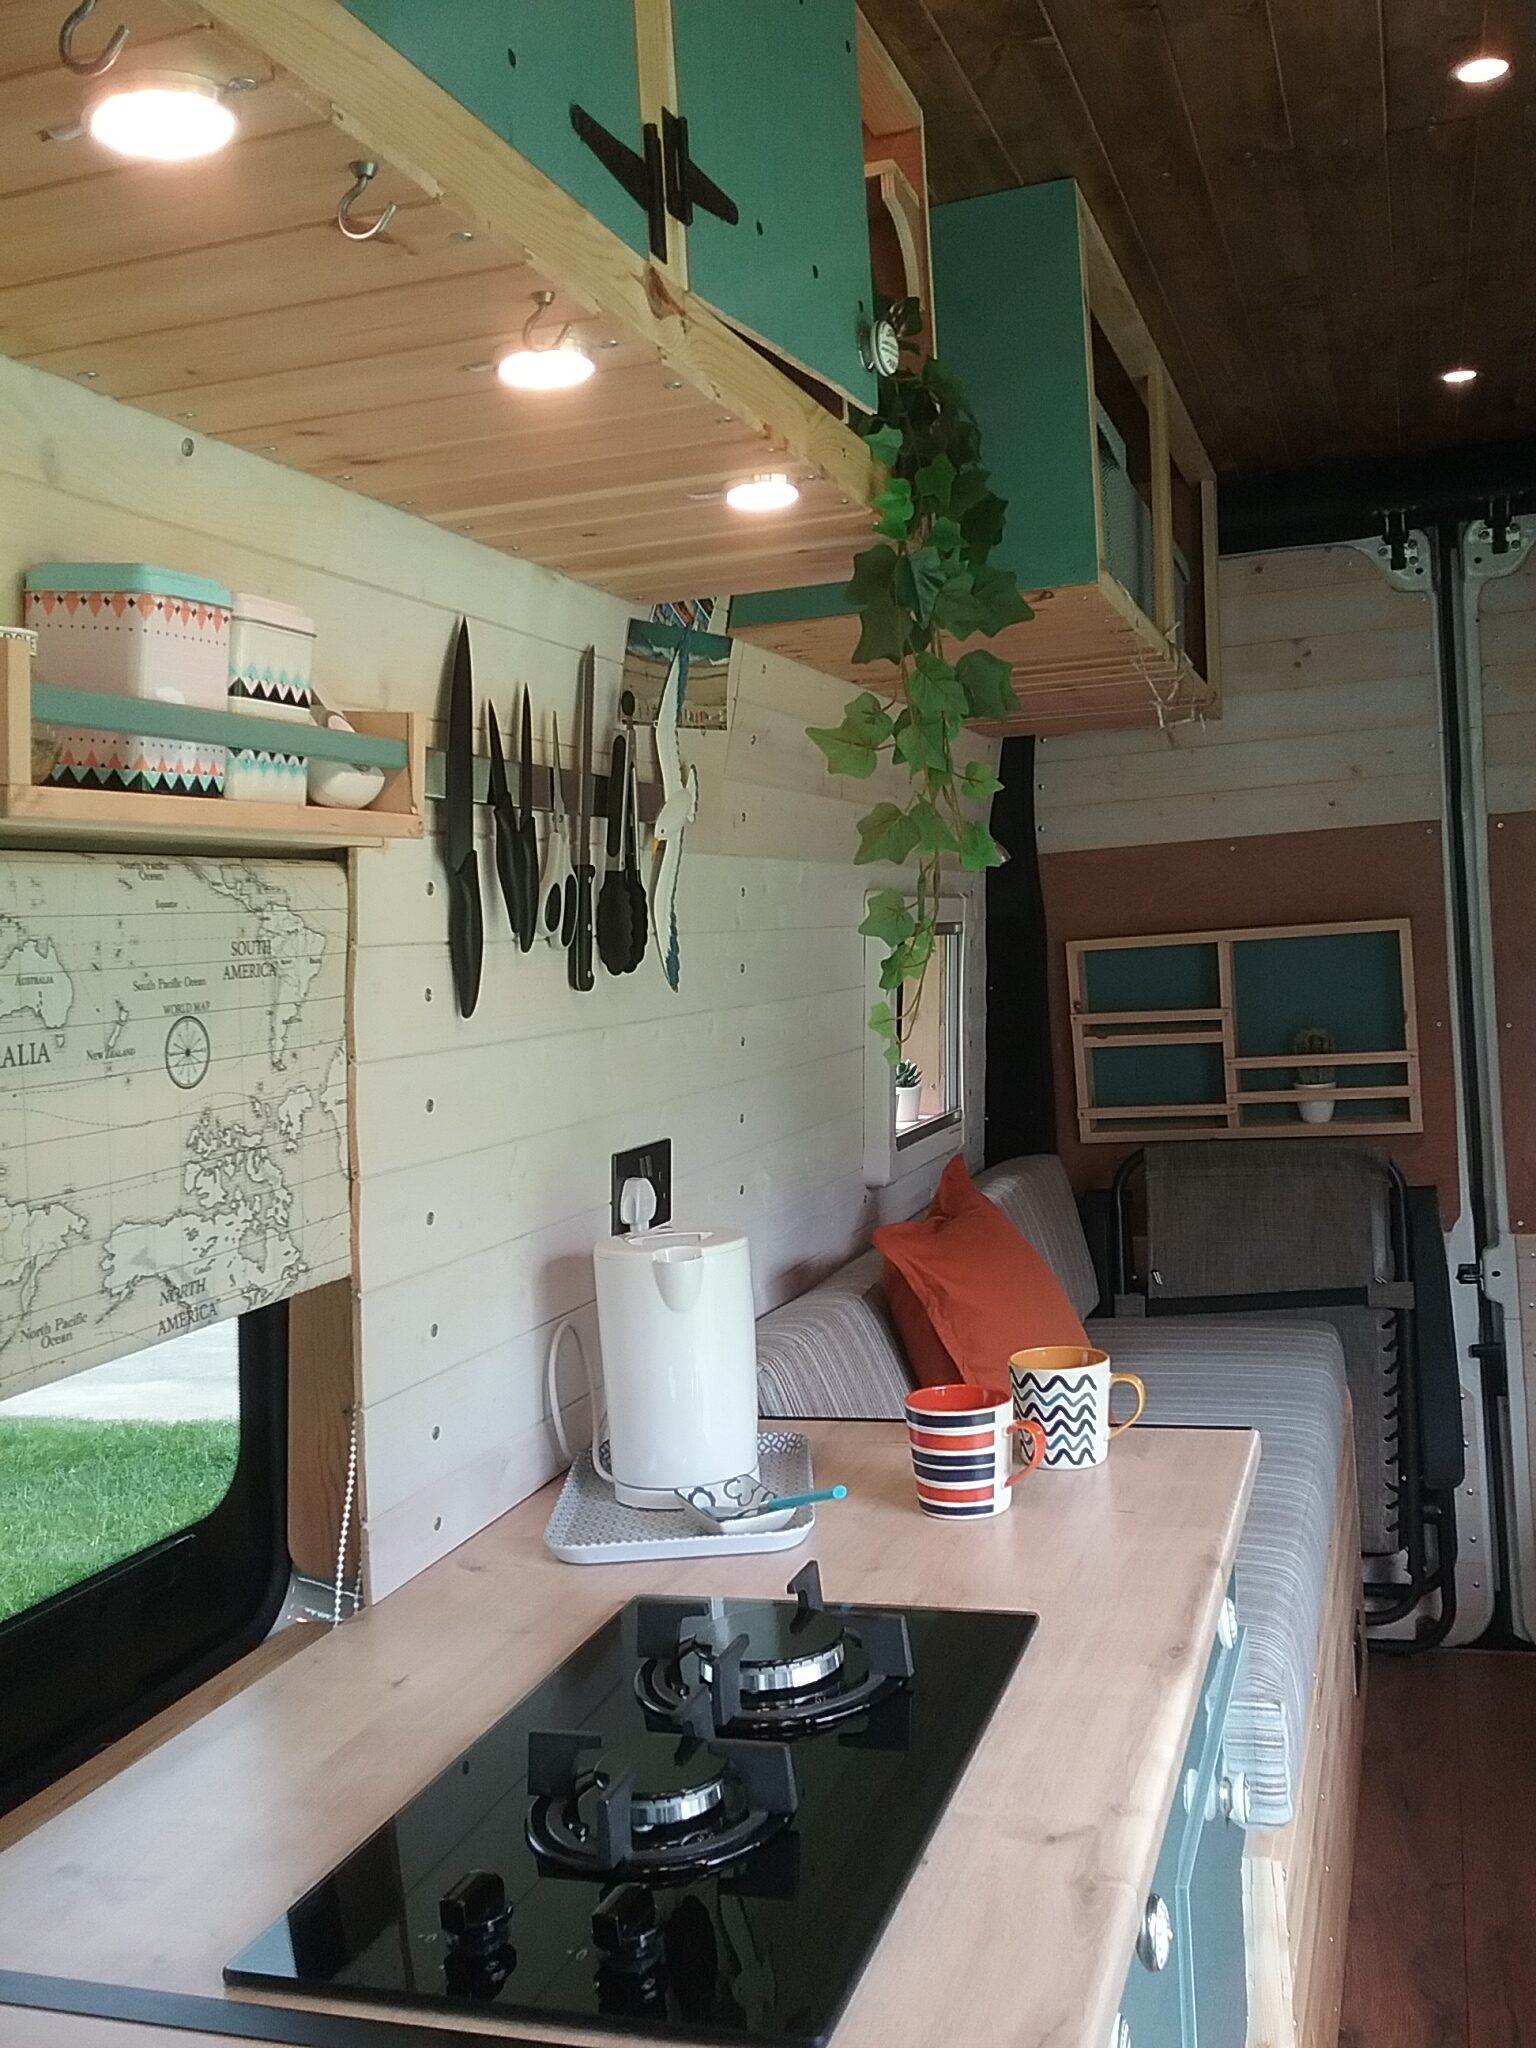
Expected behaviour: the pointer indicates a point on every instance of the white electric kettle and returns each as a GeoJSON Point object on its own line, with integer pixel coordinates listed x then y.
{"type": "Point", "coordinates": [675, 1321]}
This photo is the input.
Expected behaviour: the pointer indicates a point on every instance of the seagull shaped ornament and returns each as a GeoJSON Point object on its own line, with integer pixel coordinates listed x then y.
{"type": "Point", "coordinates": [679, 808]}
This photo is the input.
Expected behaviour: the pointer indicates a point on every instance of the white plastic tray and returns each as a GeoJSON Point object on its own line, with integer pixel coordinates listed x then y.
{"type": "Point", "coordinates": [589, 1526]}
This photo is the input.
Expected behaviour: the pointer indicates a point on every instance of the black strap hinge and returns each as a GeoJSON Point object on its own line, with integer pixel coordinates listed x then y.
{"type": "Point", "coordinates": [640, 172]}
{"type": "Point", "coordinates": [687, 186]}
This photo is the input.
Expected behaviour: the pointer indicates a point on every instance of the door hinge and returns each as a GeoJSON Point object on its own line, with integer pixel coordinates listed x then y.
{"type": "Point", "coordinates": [640, 171]}
{"type": "Point", "coordinates": [687, 186]}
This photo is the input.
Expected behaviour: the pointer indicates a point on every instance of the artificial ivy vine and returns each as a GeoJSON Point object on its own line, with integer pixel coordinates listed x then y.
{"type": "Point", "coordinates": [928, 581]}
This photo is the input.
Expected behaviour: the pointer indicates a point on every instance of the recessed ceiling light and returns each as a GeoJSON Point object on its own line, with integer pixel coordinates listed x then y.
{"type": "Point", "coordinates": [1480, 70]}
{"type": "Point", "coordinates": [546, 369]}
{"type": "Point", "coordinates": [770, 492]}
{"type": "Point", "coordinates": [1462, 374]}
{"type": "Point", "coordinates": [163, 117]}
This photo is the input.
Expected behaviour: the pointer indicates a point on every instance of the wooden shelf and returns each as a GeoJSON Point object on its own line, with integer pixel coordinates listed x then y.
{"type": "Point", "coordinates": [52, 813]}
{"type": "Point", "coordinates": [1358, 982]}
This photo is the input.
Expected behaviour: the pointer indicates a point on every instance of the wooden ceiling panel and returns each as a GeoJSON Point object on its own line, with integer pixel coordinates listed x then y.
{"type": "Point", "coordinates": [1315, 218]}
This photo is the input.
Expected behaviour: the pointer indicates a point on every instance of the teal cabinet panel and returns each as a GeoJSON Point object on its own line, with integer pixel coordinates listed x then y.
{"type": "Point", "coordinates": [519, 66]}
{"type": "Point", "coordinates": [770, 92]}
{"type": "Point", "coordinates": [1009, 288]}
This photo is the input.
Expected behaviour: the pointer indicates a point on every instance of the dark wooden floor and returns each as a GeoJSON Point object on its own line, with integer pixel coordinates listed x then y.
{"type": "Point", "coordinates": [1442, 1928]}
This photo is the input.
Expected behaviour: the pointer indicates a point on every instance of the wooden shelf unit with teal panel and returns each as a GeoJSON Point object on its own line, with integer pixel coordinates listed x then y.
{"type": "Point", "coordinates": [1188, 1034]}
{"type": "Point", "coordinates": [1111, 496]}
{"type": "Point", "coordinates": [52, 813]}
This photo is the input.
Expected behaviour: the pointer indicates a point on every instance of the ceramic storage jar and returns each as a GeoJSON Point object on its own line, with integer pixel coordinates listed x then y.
{"type": "Point", "coordinates": [132, 630]}
{"type": "Point", "coordinates": [271, 671]}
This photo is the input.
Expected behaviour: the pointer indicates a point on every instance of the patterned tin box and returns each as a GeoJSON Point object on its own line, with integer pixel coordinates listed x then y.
{"type": "Point", "coordinates": [137, 631]}
{"type": "Point", "coordinates": [271, 660]}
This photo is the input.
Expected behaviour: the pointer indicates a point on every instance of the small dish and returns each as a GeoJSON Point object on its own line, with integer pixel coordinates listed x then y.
{"type": "Point", "coordinates": [739, 1506]}
{"type": "Point", "coordinates": [337, 784]}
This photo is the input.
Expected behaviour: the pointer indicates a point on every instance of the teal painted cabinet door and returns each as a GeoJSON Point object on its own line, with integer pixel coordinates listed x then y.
{"type": "Point", "coordinates": [770, 92]}
{"type": "Point", "coordinates": [520, 66]}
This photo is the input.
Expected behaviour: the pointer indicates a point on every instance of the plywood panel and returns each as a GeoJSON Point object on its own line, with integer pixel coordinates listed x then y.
{"type": "Point", "coordinates": [1292, 877]}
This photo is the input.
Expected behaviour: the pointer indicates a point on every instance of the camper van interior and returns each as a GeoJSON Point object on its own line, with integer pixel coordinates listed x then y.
{"type": "Point", "coordinates": [767, 1090]}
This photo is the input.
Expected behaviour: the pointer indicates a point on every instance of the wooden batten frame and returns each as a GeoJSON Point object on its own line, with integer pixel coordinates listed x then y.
{"type": "Point", "coordinates": [359, 83]}
{"type": "Point", "coordinates": [1105, 1123]}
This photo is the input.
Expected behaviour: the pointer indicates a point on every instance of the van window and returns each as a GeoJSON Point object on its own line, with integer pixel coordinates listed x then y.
{"type": "Point", "coordinates": [108, 1462]}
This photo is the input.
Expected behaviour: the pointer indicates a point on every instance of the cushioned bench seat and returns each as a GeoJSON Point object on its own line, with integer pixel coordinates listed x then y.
{"type": "Point", "coordinates": [834, 1352]}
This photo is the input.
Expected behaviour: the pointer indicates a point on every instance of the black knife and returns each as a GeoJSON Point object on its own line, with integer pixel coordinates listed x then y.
{"type": "Point", "coordinates": [506, 822]}
{"type": "Point", "coordinates": [579, 958]}
{"type": "Point", "coordinates": [466, 930]}
{"type": "Point", "coordinates": [526, 859]}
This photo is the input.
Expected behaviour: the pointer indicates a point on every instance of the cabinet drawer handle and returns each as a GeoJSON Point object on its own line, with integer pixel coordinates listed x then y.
{"type": "Point", "coordinates": [1154, 1944]}
{"type": "Point", "coordinates": [1120, 2032]}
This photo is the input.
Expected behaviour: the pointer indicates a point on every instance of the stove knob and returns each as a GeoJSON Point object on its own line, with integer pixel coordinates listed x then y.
{"type": "Point", "coordinates": [625, 1928]}
{"type": "Point", "coordinates": [474, 1913]}
{"type": "Point", "coordinates": [1232, 1797]}
{"type": "Point", "coordinates": [1120, 2032]}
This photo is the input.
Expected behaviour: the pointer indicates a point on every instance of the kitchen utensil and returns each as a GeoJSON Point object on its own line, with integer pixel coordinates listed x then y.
{"type": "Point", "coordinates": [1066, 1390]}
{"type": "Point", "coordinates": [556, 871]}
{"type": "Point", "coordinates": [466, 929]}
{"type": "Point", "coordinates": [614, 935]}
{"type": "Point", "coordinates": [505, 821]}
{"type": "Point", "coordinates": [639, 906]}
{"type": "Point", "coordinates": [679, 1363]}
{"type": "Point", "coordinates": [578, 916]}
{"type": "Point", "coordinates": [679, 808]}
{"type": "Point", "coordinates": [961, 1439]}
{"type": "Point", "coordinates": [526, 840]}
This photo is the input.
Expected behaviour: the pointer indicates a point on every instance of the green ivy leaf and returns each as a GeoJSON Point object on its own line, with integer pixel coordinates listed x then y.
{"type": "Point", "coordinates": [867, 719]}
{"type": "Point", "coordinates": [936, 479]}
{"type": "Point", "coordinates": [884, 443]}
{"type": "Point", "coordinates": [844, 756]}
{"type": "Point", "coordinates": [889, 918]}
{"type": "Point", "coordinates": [978, 849]}
{"type": "Point", "coordinates": [882, 631]}
{"type": "Point", "coordinates": [986, 683]}
{"type": "Point", "coordinates": [947, 539]}
{"type": "Point", "coordinates": [982, 525]}
{"type": "Point", "coordinates": [946, 388]}
{"type": "Point", "coordinates": [935, 689]}
{"type": "Point", "coordinates": [933, 833]}
{"type": "Point", "coordinates": [919, 578]}
{"type": "Point", "coordinates": [886, 833]}
{"type": "Point", "coordinates": [871, 578]}
{"type": "Point", "coordinates": [882, 1022]}
{"type": "Point", "coordinates": [894, 508]}
{"type": "Point", "coordinates": [997, 593]}
{"type": "Point", "coordinates": [978, 781]}
{"type": "Point", "coordinates": [970, 486]}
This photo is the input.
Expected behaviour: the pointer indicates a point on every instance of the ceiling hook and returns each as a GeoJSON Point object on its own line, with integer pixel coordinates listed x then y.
{"type": "Point", "coordinates": [364, 172]}
{"type": "Point", "coordinates": [542, 301]}
{"type": "Point", "coordinates": [88, 67]}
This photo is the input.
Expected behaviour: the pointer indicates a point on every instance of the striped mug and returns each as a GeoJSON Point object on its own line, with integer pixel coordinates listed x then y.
{"type": "Point", "coordinates": [1066, 1390]}
{"type": "Point", "coordinates": [962, 1451]}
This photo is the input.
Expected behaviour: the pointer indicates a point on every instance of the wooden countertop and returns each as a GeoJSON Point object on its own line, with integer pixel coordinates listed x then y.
{"type": "Point", "coordinates": [1020, 1921]}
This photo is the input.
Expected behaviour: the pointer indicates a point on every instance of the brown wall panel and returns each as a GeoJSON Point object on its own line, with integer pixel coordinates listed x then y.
{"type": "Point", "coordinates": [1281, 878]}
{"type": "Point", "coordinates": [1512, 886]}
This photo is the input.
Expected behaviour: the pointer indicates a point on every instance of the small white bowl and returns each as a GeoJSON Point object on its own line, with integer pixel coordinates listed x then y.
{"type": "Point", "coordinates": [337, 784]}
{"type": "Point", "coordinates": [739, 1507]}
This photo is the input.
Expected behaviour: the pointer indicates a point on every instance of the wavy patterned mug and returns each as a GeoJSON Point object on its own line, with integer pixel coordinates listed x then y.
{"type": "Point", "coordinates": [1066, 1389]}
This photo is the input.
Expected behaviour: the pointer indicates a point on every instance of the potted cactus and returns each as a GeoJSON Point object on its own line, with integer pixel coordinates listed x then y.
{"type": "Point", "coordinates": [909, 1089]}
{"type": "Point", "coordinates": [1317, 1105]}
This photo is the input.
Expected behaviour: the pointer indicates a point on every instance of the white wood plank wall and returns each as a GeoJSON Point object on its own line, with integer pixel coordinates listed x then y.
{"type": "Point", "coordinates": [483, 1147]}
{"type": "Point", "coordinates": [1329, 719]}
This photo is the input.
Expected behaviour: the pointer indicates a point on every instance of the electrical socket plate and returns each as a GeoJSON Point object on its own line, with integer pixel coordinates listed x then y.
{"type": "Point", "coordinates": [651, 1162]}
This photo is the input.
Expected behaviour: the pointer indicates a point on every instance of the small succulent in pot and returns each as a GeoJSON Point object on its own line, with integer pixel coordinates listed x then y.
{"type": "Point", "coordinates": [908, 1074]}
{"type": "Point", "coordinates": [1310, 1044]}
{"type": "Point", "coordinates": [909, 1094]}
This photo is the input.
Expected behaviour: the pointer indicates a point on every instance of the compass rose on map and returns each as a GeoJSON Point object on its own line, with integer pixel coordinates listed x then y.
{"type": "Point", "coordinates": [187, 1051]}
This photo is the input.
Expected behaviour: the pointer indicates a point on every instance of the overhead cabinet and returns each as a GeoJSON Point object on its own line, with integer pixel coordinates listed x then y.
{"type": "Point", "coordinates": [224, 295]}
{"type": "Point", "coordinates": [1111, 499]}
{"type": "Point", "coordinates": [721, 140]}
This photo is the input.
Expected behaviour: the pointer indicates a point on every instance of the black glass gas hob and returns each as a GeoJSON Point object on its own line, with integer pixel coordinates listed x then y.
{"type": "Point", "coordinates": [695, 1828]}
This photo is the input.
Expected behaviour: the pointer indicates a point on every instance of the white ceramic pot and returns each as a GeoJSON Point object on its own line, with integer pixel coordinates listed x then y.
{"type": "Point", "coordinates": [1317, 1109]}
{"type": "Point", "coordinates": [907, 1107]}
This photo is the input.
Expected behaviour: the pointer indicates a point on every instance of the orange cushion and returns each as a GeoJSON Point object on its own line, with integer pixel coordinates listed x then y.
{"type": "Point", "coordinates": [966, 1289]}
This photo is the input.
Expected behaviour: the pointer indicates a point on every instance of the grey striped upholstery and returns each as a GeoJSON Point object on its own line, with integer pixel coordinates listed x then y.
{"type": "Point", "coordinates": [1036, 1197]}
{"type": "Point", "coordinates": [834, 1353]}
{"type": "Point", "coordinates": [1230, 1373]}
